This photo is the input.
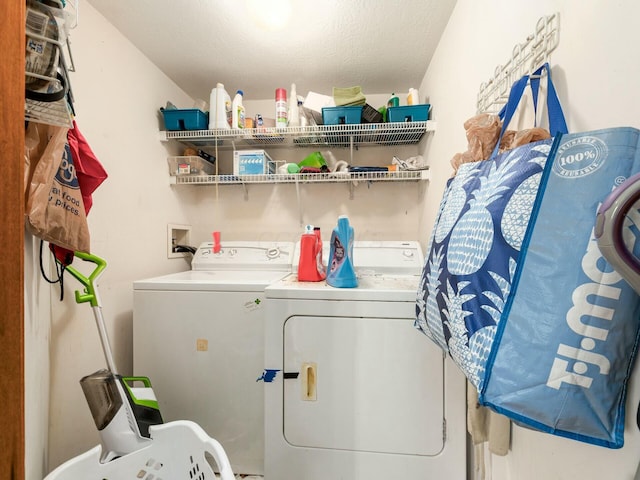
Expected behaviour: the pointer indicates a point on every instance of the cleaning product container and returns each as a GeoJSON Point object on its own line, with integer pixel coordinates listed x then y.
{"type": "Point", "coordinates": [310, 268]}
{"type": "Point", "coordinates": [237, 111]}
{"type": "Point", "coordinates": [293, 115]}
{"type": "Point", "coordinates": [281, 108]}
{"type": "Point", "coordinates": [340, 270]}
{"type": "Point", "coordinates": [219, 108]}
{"type": "Point", "coordinates": [319, 265]}
{"type": "Point", "coordinates": [413, 97]}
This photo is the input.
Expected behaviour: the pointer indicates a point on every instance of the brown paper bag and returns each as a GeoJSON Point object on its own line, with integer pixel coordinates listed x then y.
{"type": "Point", "coordinates": [54, 209]}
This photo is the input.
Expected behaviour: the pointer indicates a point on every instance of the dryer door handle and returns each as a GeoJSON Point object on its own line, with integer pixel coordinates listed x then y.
{"type": "Point", "coordinates": [308, 381]}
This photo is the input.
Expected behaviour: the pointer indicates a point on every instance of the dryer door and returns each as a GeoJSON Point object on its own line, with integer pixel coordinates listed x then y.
{"type": "Point", "coordinates": [364, 384]}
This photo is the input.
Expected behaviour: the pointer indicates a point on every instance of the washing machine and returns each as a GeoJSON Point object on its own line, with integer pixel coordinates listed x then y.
{"type": "Point", "coordinates": [355, 391]}
{"type": "Point", "coordinates": [199, 337]}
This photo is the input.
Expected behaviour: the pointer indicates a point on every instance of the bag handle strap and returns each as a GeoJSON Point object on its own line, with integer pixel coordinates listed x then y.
{"type": "Point", "coordinates": [557, 123]}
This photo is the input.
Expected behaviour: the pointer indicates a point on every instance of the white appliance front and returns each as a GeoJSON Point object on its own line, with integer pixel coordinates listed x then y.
{"type": "Point", "coordinates": [199, 337]}
{"type": "Point", "coordinates": [355, 392]}
{"type": "Point", "coordinates": [360, 391]}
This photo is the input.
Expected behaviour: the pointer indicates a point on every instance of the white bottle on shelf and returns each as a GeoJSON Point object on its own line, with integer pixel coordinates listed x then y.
{"type": "Point", "coordinates": [304, 121]}
{"type": "Point", "coordinates": [219, 108]}
{"type": "Point", "coordinates": [413, 98]}
{"type": "Point", "coordinates": [293, 116]}
{"type": "Point", "coordinates": [237, 111]}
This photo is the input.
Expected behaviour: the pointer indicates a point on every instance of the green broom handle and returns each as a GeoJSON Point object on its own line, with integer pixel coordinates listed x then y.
{"type": "Point", "coordinates": [90, 293]}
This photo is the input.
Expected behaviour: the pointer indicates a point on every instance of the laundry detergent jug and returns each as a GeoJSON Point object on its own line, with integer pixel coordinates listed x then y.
{"type": "Point", "coordinates": [340, 270]}
{"type": "Point", "coordinates": [310, 267]}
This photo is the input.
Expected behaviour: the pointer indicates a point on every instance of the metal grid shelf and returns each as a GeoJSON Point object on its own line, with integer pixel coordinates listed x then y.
{"type": "Point", "coordinates": [374, 134]}
{"type": "Point", "coordinates": [402, 175]}
{"type": "Point", "coordinates": [50, 113]}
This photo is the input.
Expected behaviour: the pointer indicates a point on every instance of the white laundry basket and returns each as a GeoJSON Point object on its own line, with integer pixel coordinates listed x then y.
{"type": "Point", "coordinates": [178, 451]}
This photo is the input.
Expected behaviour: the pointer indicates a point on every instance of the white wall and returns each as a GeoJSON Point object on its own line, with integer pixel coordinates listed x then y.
{"type": "Point", "coordinates": [118, 93]}
{"type": "Point", "coordinates": [37, 314]}
{"type": "Point", "coordinates": [595, 70]}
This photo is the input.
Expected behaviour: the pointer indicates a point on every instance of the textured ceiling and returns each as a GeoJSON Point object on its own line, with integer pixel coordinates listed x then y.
{"type": "Point", "coordinates": [381, 45]}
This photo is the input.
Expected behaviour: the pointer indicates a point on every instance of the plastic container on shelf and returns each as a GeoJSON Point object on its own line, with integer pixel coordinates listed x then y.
{"type": "Point", "coordinates": [340, 270]}
{"type": "Point", "coordinates": [394, 101]}
{"type": "Point", "coordinates": [342, 115]}
{"type": "Point", "coordinates": [409, 113]}
{"type": "Point", "coordinates": [189, 119]}
{"type": "Point", "coordinates": [237, 111]}
{"type": "Point", "coordinates": [281, 108]}
{"type": "Point", "coordinates": [371, 115]}
{"type": "Point", "coordinates": [190, 165]}
{"type": "Point", "coordinates": [219, 108]}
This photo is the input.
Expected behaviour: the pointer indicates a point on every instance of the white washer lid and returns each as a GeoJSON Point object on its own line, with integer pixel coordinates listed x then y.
{"type": "Point", "coordinates": [209, 280]}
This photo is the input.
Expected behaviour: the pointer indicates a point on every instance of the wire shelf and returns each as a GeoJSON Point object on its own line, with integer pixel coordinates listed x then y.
{"type": "Point", "coordinates": [378, 134]}
{"type": "Point", "coordinates": [336, 177]}
{"type": "Point", "coordinates": [43, 38]}
{"type": "Point", "coordinates": [51, 113]}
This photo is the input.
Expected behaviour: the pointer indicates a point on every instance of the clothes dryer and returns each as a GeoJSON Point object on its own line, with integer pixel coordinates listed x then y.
{"type": "Point", "coordinates": [353, 390]}
{"type": "Point", "coordinates": [199, 337]}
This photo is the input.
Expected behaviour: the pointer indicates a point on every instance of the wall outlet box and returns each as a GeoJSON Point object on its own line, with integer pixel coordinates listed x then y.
{"type": "Point", "coordinates": [252, 162]}
{"type": "Point", "coordinates": [177, 235]}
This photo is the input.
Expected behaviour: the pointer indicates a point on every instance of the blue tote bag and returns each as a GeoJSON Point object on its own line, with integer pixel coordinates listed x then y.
{"type": "Point", "coordinates": [521, 298]}
{"type": "Point", "coordinates": [563, 352]}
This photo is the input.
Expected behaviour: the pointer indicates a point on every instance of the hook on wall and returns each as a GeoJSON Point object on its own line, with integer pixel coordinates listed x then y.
{"type": "Point", "coordinates": [525, 58]}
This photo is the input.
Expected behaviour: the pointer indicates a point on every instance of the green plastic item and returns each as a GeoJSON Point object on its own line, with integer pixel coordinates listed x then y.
{"type": "Point", "coordinates": [315, 160]}
{"type": "Point", "coordinates": [293, 168]}
{"type": "Point", "coordinates": [89, 294]}
{"type": "Point", "coordinates": [383, 111]}
{"type": "Point", "coordinates": [128, 383]}
{"type": "Point", "coordinates": [394, 101]}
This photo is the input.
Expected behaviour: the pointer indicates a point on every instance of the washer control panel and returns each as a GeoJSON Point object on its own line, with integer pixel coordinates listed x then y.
{"type": "Point", "coordinates": [244, 256]}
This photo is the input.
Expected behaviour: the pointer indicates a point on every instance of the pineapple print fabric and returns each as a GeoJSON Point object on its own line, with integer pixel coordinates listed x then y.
{"type": "Point", "coordinates": [474, 251]}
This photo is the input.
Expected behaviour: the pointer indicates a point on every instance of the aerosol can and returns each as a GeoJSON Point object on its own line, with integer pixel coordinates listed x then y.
{"type": "Point", "coordinates": [123, 408]}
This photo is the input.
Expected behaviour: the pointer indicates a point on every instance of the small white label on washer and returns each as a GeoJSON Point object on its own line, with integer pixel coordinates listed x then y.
{"type": "Point", "coordinates": [253, 305]}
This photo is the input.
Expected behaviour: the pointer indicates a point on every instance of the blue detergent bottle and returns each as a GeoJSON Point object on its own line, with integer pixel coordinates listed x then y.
{"type": "Point", "coordinates": [340, 270]}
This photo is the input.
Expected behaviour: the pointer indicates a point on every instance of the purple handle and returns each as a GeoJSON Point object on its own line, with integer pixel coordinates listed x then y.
{"type": "Point", "coordinates": [609, 227]}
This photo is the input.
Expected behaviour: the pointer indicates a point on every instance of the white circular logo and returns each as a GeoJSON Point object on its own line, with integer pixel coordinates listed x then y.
{"type": "Point", "coordinates": [580, 157]}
